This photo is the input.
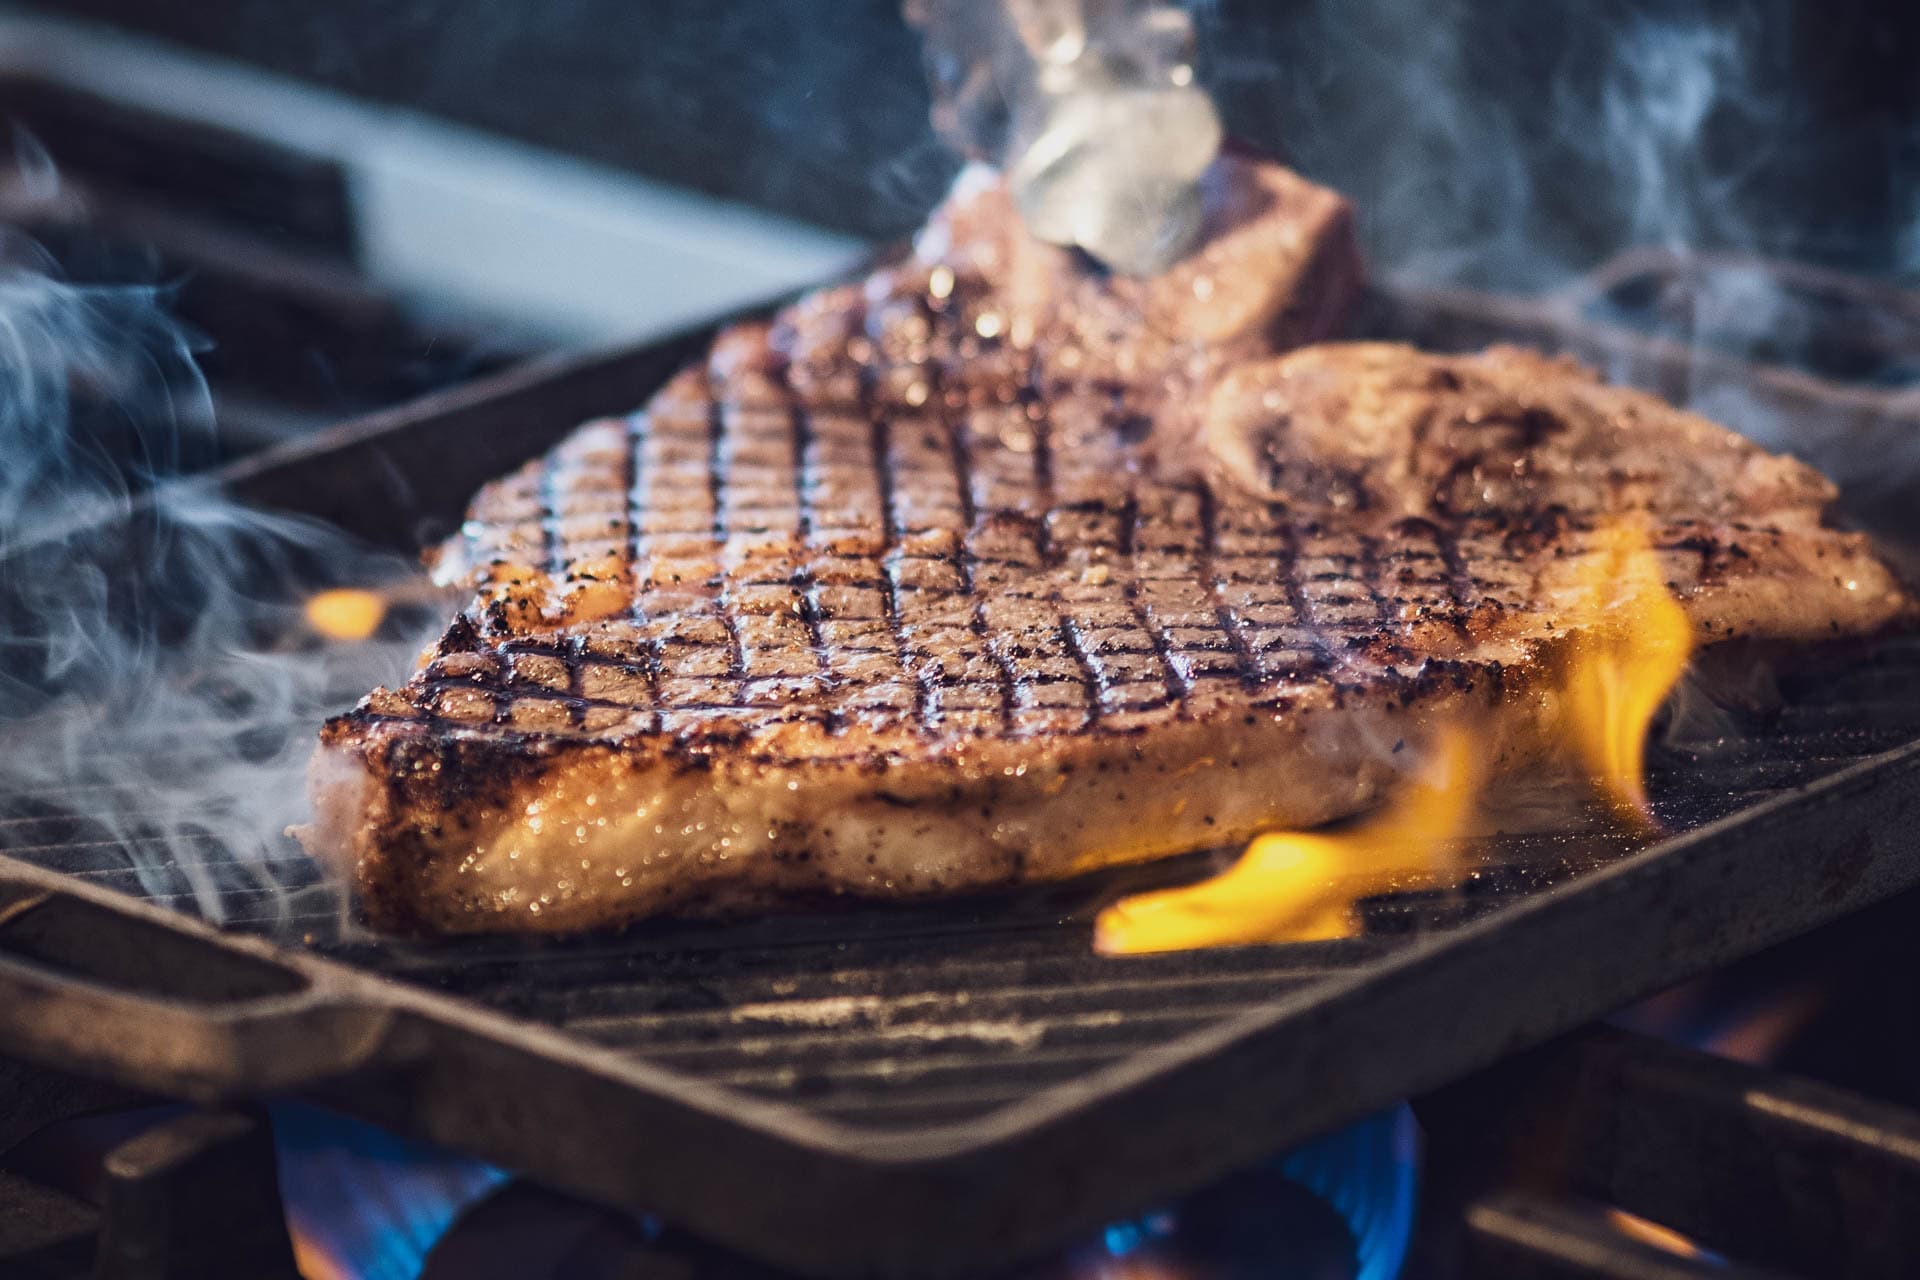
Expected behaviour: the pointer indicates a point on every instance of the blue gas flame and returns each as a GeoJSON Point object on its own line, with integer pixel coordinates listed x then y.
{"type": "Point", "coordinates": [376, 1204]}
{"type": "Point", "coordinates": [1370, 1173]}
{"type": "Point", "coordinates": [372, 1203]}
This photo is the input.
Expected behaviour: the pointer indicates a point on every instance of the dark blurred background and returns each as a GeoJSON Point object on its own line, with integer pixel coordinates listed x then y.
{"type": "Point", "coordinates": [1506, 142]}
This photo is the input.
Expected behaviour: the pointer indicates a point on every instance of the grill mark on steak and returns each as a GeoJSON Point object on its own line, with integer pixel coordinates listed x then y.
{"type": "Point", "coordinates": [880, 441]}
{"type": "Point", "coordinates": [805, 488]}
{"type": "Point", "coordinates": [1043, 481]}
{"type": "Point", "coordinates": [716, 501]}
{"type": "Point", "coordinates": [1463, 592]}
{"type": "Point", "coordinates": [1308, 656]}
{"type": "Point", "coordinates": [634, 504]}
{"type": "Point", "coordinates": [554, 563]}
{"type": "Point", "coordinates": [1089, 676]}
{"type": "Point", "coordinates": [961, 448]}
{"type": "Point", "coordinates": [1176, 683]}
{"type": "Point", "coordinates": [1246, 666]}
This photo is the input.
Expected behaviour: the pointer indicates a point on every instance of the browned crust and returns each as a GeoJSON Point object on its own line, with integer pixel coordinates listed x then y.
{"type": "Point", "coordinates": [413, 794]}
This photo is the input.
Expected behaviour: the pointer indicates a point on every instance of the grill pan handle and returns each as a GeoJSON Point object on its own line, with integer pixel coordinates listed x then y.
{"type": "Point", "coordinates": [94, 987]}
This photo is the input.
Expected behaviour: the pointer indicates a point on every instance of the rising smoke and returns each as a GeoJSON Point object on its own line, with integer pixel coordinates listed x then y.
{"type": "Point", "coordinates": [1514, 143]}
{"type": "Point", "coordinates": [1514, 147]}
{"type": "Point", "coordinates": [155, 678]}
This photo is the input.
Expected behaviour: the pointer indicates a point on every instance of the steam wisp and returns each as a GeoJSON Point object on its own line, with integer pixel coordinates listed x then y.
{"type": "Point", "coordinates": [1514, 148]}
{"type": "Point", "coordinates": [159, 684]}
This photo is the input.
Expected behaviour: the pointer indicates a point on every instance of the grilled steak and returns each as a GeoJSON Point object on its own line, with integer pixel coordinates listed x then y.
{"type": "Point", "coordinates": [992, 569]}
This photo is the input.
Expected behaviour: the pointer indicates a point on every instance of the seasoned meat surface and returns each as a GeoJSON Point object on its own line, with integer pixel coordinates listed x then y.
{"type": "Point", "coordinates": [969, 575]}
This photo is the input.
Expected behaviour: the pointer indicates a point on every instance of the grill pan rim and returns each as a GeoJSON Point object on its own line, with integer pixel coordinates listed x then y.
{"type": "Point", "coordinates": [942, 1165]}
{"type": "Point", "coordinates": [329, 980]}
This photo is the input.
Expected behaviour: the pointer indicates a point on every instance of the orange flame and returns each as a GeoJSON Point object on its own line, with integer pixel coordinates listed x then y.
{"type": "Point", "coordinates": [1647, 1231]}
{"type": "Point", "coordinates": [345, 613]}
{"type": "Point", "coordinates": [313, 1260]}
{"type": "Point", "coordinates": [1301, 885]}
{"type": "Point", "coordinates": [1631, 641]}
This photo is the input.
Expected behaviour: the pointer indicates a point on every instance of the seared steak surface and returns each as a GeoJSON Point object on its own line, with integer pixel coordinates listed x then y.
{"type": "Point", "coordinates": [992, 569]}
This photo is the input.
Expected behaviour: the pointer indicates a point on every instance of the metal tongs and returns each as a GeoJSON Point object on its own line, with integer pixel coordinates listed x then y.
{"type": "Point", "coordinates": [1090, 108]}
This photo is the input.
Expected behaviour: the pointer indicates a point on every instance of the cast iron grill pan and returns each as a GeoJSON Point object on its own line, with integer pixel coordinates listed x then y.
{"type": "Point", "coordinates": [930, 1090]}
